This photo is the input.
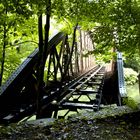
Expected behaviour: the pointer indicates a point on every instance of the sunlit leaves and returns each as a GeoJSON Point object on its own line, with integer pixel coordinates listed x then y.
{"type": "Point", "coordinates": [18, 23]}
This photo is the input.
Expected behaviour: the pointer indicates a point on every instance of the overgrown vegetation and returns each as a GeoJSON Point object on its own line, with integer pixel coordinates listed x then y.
{"type": "Point", "coordinates": [131, 80]}
{"type": "Point", "coordinates": [131, 102]}
{"type": "Point", "coordinates": [131, 76]}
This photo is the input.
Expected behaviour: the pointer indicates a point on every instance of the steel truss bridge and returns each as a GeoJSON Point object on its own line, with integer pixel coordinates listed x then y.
{"type": "Point", "coordinates": [72, 82]}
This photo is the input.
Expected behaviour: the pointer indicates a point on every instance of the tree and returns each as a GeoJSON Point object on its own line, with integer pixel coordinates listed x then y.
{"type": "Point", "coordinates": [119, 25]}
{"type": "Point", "coordinates": [14, 30]}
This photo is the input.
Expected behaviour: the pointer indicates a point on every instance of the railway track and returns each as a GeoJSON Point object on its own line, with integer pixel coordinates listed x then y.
{"type": "Point", "coordinates": [68, 96]}
{"type": "Point", "coordinates": [84, 92]}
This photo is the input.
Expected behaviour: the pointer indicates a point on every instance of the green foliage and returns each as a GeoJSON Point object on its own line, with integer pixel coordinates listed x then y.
{"type": "Point", "coordinates": [102, 18]}
{"type": "Point", "coordinates": [131, 102]}
{"type": "Point", "coordinates": [15, 57]}
{"type": "Point", "coordinates": [130, 76]}
{"type": "Point", "coordinates": [133, 91]}
{"type": "Point", "coordinates": [132, 61]}
{"type": "Point", "coordinates": [16, 26]}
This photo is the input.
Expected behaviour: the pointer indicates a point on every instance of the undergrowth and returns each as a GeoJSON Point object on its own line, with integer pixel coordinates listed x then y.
{"type": "Point", "coordinates": [131, 102]}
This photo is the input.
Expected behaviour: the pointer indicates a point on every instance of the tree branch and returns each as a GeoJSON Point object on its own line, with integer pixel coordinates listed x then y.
{"type": "Point", "coordinates": [28, 41]}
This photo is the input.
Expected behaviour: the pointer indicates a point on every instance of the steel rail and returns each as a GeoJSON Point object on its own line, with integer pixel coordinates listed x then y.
{"type": "Point", "coordinates": [77, 88]}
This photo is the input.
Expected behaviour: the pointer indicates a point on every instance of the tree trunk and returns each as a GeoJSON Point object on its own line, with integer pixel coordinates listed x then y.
{"type": "Point", "coordinates": [3, 51]}
{"type": "Point", "coordinates": [42, 55]}
{"type": "Point", "coordinates": [139, 82]}
{"type": "Point", "coordinates": [139, 71]}
{"type": "Point", "coordinates": [39, 70]}
{"type": "Point", "coordinates": [47, 27]}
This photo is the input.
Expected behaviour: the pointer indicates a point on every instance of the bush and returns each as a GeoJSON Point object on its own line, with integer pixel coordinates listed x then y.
{"type": "Point", "coordinates": [131, 76]}
{"type": "Point", "coordinates": [131, 102]}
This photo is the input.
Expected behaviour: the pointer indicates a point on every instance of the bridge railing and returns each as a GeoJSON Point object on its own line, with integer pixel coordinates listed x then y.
{"type": "Point", "coordinates": [121, 81]}
{"type": "Point", "coordinates": [19, 91]}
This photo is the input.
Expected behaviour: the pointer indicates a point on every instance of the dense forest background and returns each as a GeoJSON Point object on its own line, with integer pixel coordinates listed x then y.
{"type": "Point", "coordinates": [25, 25]}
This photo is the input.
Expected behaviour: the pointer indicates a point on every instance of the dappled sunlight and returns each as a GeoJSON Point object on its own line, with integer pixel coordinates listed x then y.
{"type": "Point", "coordinates": [133, 92]}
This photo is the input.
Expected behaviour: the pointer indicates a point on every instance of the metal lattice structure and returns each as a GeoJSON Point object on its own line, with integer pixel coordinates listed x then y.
{"type": "Point", "coordinates": [69, 75]}
{"type": "Point", "coordinates": [18, 95]}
